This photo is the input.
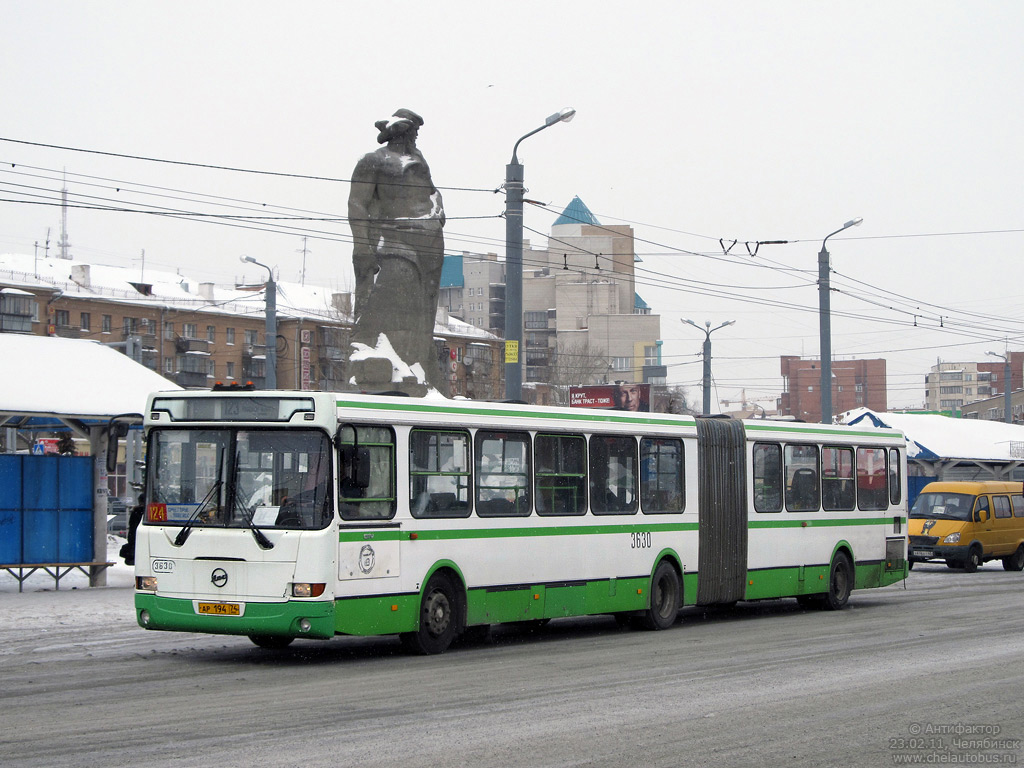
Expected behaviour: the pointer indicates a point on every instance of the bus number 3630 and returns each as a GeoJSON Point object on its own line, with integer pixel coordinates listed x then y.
{"type": "Point", "coordinates": [640, 540]}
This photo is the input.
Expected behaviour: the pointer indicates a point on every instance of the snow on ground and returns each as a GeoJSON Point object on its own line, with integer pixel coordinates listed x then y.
{"type": "Point", "coordinates": [119, 576]}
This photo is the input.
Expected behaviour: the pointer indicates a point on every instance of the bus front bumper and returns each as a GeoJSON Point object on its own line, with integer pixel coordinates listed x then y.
{"type": "Point", "coordinates": [291, 618]}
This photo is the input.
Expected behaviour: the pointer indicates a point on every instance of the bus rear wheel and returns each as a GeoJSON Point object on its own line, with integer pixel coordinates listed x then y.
{"type": "Point", "coordinates": [666, 598]}
{"type": "Point", "coordinates": [840, 583]}
{"type": "Point", "coordinates": [439, 618]}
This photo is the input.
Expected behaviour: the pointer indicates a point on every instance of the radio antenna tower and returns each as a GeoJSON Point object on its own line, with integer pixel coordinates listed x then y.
{"type": "Point", "coordinates": [64, 245]}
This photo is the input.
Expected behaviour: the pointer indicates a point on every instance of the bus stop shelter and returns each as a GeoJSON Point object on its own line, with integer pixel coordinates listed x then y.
{"type": "Point", "coordinates": [53, 509]}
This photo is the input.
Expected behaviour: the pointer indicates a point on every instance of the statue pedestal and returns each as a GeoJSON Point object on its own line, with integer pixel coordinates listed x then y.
{"type": "Point", "coordinates": [374, 374]}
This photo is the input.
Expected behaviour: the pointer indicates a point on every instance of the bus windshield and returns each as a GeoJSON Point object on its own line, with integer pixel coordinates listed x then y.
{"type": "Point", "coordinates": [943, 506]}
{"type": "Point", "coordinates": [240, 478]}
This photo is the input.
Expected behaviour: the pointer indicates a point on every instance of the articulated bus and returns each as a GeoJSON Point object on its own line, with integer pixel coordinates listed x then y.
{"type": "Point", "coordinates": [283, 515]}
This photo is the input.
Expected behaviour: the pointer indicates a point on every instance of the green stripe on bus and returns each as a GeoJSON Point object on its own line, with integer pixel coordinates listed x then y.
{"type": "Point", "coordinates": [822, 522]}
{"type": "Point", "coordinates": [511, 533]}
{"type": "Point", "coordinates": [821, 430]}
{"type": "Point", "coordinates": [591, 530]}
{"type": "Point", "coordinates": [617, 417]}
{"type": "Point", "coordinates": [596, 414]}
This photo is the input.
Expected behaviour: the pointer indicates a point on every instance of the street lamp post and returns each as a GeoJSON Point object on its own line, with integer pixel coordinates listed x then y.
{"type": "Point", "coordinates": [1007, 385]}
{"type": "Point", "coordinates": [825, 323]}
{"type": "Point", "coordinates": [271, 323]}
{"type": "Point", "coordinates": [708, 330]}
{"type": "Point", "coordinates": [514, 261]}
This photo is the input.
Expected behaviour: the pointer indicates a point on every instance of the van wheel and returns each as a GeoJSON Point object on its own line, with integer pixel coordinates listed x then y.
{"type": "Point", "coordinates": [1015, 562]}
{"type": "Point", "coordinates": [973, 559]}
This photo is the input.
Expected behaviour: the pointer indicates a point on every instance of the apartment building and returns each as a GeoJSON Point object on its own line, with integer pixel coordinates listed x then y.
{"type": "Point", "coordinates": [583, 322]}
{"type": "Point", "coordinates": [950, 386]}
{"type": "Point", "coordinates": [196, 334]}
{"type": "Point", "coordinates": [855, 384]}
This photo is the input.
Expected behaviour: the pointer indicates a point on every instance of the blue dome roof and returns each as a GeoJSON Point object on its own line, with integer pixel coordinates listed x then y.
{"type": "Point", "coordinates": [576, 213]}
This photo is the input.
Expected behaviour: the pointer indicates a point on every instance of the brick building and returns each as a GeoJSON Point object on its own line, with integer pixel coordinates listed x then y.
{"type": "Point", "coordinates": [855, 384]}
{"type": "Point", "coordinates": [196, 334]}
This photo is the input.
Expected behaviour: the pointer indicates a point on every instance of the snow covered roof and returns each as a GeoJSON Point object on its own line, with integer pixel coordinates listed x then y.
{"type": "Point", "coordinates": [72, 378]}
{"type": "Point", "coordinates": [294, 300]}
{"type": "Point", "coordinates": [932, 436]}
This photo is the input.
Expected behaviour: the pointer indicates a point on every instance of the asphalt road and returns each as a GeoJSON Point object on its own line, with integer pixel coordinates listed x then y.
{"type": "Point", "coordinates": [901, 671]}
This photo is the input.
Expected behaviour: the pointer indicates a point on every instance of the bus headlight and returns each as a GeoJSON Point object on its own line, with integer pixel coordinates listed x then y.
{"type": "Point", "coordinates": [307, 589]}
{"type": "Point", "coordinates": [953, 538]}
{"type": "Point", "coordinates": [147, 583]}
{"type": "Point", "coordinates": [305, 625]}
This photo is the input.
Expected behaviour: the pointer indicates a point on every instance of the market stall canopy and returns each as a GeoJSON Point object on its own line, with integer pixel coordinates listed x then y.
{"type": "Point", "coordinates": [933, 436]}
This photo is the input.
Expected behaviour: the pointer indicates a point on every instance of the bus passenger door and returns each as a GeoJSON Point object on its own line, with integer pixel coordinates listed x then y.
{"type": "Point", "coordinates": [722, 502]}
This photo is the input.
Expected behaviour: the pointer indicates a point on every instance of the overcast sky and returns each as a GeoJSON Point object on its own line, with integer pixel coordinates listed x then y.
{"type": "Point", "coordinates": [696, 123]}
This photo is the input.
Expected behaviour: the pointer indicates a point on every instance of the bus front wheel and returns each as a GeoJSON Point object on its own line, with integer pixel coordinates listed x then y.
{"type": "Point", "coordinates": [666, 598]}
{"type": "Point", "coordinates": [439, 618]}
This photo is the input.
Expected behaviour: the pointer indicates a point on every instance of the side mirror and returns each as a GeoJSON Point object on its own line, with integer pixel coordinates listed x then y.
{"type": "Point", "coordinates": [117, 428]}
{"type": "Point", "coordinates": [355, 465]}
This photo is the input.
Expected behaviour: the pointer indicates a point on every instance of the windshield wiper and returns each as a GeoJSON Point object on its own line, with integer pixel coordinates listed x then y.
{"type": "Point", "coordinates": [186, 529]}
{"type": "Point", "coordinates": [257, 534]}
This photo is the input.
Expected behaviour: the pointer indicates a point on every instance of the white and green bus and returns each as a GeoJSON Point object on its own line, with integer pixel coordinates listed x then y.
{"type": "Point", "coordinates": [283, 515]}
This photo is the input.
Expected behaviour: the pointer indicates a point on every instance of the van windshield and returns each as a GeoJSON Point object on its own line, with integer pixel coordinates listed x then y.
{"type": "Point", "coordinates": [943, 506]}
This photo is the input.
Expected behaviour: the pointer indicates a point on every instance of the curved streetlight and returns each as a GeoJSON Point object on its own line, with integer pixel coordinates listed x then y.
{"type": "Point", "coordinates": [825, 323]}
{"type": "Point", "coordinates": [708, 330]}
{"type": "Point", "coordinates": [514, 260]}
{"type": "Point", "coordinates": [1007, 385]}
{"type": "Point", "coordinates": [270, 380]}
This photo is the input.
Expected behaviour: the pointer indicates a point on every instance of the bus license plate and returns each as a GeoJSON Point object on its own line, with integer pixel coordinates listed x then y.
{"type": "Point", "coordinates": [220, 609]}
{"type": "Point", "coordinates": [921, 553]}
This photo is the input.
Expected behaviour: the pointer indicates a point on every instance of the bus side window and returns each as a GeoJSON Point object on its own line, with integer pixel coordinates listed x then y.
{"type": "Point", "coordinates": [662, 488]}
{"type": "Point", "coordinates": [837, 491]}
{"type": "Point", "coordinates": [366, 476]}
{"type": "Point", "coordinates": [439, 473]}
{"type": "Point", "coordinates": [802, 490]}
{"type": "Point", "coordinates": [502, 474]}
{"type": "Point", "coordinates": [895, 486]}
{"type": "Point", "coordinates": [613, 475]}
{"type": "Point", "coordinates": [872, 476]}
{"type": "Point", "coordinates": [560, 481]}
{"type": "Point", "coordinates": [767, 477]}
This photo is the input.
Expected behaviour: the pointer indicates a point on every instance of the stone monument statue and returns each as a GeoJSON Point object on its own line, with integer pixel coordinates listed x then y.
{"type": "Point", "coordinates": [396, 215]}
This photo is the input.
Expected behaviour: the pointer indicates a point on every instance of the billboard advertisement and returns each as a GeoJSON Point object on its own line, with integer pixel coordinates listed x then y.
{"type": "Point", "coordinates": [623, 396]}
